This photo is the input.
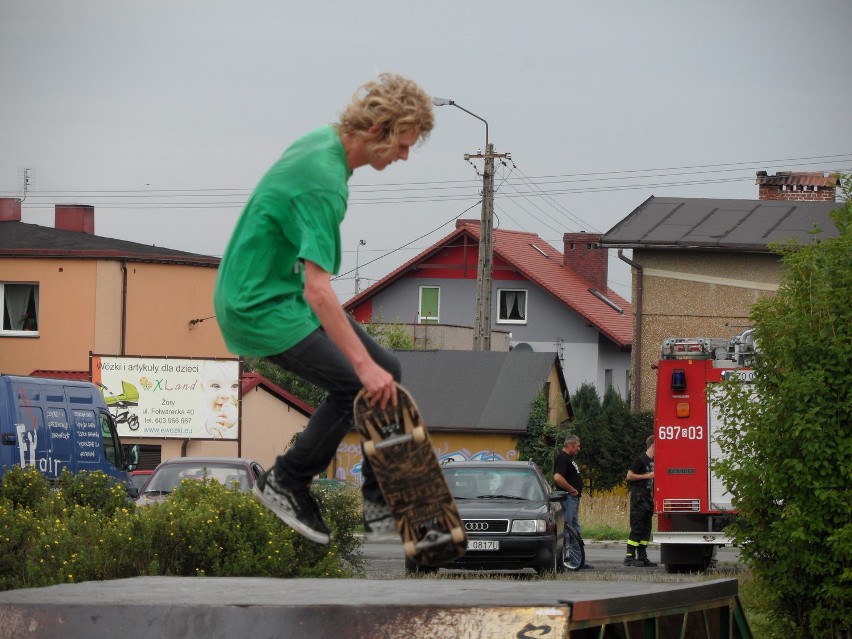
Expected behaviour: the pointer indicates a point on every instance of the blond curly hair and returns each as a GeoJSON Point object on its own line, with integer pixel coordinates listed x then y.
{"type": "Point", "coordinates": [393, 103]}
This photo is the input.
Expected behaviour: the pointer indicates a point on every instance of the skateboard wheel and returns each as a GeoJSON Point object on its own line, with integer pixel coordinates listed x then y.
{"type": "Point", "coordinates": [369, 448]}
{"type": "Point", "coordinates": [419, 434]}
{"type": "Point", "coordinates": [409, 549]}
{"type": "Point", "coordinates": [458, 535]}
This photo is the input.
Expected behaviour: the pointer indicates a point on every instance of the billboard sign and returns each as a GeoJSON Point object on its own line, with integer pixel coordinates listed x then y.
{"type": "Point", "coordinates": [170, 396]}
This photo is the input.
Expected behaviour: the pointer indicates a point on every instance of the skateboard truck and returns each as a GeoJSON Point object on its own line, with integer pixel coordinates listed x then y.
{"type": "Point", "coordinates": [435, 535]}
{"type": "Point", "coordinates": [417, 435]}
{"type": "Point", "coordinates": [433, 539]}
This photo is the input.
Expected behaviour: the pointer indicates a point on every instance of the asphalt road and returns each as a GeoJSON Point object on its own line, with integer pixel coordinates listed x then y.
{"type": "Point", "coordinates": [385, 561]}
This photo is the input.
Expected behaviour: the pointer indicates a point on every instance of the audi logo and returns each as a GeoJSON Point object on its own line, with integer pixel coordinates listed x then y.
{"type": "Point", "coordinates": [476, 526]}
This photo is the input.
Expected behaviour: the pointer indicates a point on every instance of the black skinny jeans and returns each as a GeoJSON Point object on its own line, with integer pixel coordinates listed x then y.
{"type": "Point", "coordinates": [317, 360]}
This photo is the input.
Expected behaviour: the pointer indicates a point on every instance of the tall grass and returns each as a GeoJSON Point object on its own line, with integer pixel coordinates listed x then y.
{"type": "Point", "coordinates": [605, 516]}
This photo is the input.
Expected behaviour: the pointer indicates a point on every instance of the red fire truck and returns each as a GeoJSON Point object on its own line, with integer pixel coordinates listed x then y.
{"type": "Point", "coordinates": [692, 504]}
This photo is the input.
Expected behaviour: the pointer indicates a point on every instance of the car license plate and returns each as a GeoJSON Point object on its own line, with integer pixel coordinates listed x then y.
{"type": "Point", "coordinates": [483, 544]}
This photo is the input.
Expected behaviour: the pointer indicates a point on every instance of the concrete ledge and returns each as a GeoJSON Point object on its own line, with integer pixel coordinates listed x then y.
{"type": "Point", "coordinates": [171, 607]}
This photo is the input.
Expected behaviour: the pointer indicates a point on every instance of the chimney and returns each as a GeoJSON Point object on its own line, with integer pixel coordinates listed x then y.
{"type": "Point", "coordinates": [584, 255]}
{"type": "Point", "coordinates": [10, 209]}
{"type": "Point", "coordinates": [79, 218]}
{"type": "Point", "coordinates": [466, 222]}
{"type": "Point", "coordinates": [800, 187]}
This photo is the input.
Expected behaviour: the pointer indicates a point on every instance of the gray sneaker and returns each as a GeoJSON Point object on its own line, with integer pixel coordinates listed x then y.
{"type": "Point", "coordinates": [296, 508]}
{"type": "Point", "coordinates": [378, 522]}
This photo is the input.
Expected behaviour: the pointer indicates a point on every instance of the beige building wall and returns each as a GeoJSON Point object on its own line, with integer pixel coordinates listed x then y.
{"type": "Point", "coordinates": [694, 294]}
{"type": "Point", "coordinates": [162, 302]}
{"type": "Point", "coordinates": [557, 412]}
{"type": "Point", "coordinates": [67, 311]}
{"type": "Point", "coordinates": [273, 426]}
{"type": "Point", "coordinates": [108, 293]}
{"type": "Point", "coordinates": [81, 310]}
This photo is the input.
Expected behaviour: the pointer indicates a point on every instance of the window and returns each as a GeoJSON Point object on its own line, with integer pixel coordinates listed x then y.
{"type": "Point", "coordinates": [19, 303]}
{"type": "Point", "coordinates": [430, 304]}
{"type": "Point", "coordinates": [513, 306]}
{"type": "Point", "coordinates": [108, 438]}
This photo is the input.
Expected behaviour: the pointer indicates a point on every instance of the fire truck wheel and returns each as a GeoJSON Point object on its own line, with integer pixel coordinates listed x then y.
{"type": "Point", "coordinates": [684, 558]}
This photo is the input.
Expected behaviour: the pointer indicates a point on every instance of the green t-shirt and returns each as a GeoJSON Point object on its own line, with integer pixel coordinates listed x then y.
{"type": "Point", "coordinates": [293, 215]}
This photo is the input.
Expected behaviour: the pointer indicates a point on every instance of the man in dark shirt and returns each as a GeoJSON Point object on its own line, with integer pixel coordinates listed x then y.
{"type": "Point", "coordinates": [640, 480]}
{"type": "Point", "coordinates": [566, 475]}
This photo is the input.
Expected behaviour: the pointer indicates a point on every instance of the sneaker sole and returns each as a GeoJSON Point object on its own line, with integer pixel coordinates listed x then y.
{"type": "Point", "coordinates": [290, 520]}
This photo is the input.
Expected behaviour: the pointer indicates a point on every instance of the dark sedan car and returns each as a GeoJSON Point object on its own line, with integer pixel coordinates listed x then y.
{"type": "Point", "coordinates": [230, 471]}
{"type": "Point", "coordinates": [512, 518]}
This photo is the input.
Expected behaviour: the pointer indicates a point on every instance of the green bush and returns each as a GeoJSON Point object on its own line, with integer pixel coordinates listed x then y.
{"type": "Point", "coordinates": [77, 532]}
{"type": "Point", "coordinates": [87, 530]}
{"type": "Point", "coordinates": [789, 464]}
{"type": "Point", "coordinates": [541, 440]}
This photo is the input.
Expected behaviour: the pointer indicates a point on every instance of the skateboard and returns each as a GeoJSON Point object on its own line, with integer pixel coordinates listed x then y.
{"type": "Point", "coordinates": [400, 452]}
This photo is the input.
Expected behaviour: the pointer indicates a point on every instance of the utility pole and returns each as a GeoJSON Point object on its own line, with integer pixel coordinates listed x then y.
{"type": "Point", "coordinates": [357, 274]}
{"type": "Point", "coordinates": [482, 321]}
{"type": "Point", "coordinates": [485, 268]}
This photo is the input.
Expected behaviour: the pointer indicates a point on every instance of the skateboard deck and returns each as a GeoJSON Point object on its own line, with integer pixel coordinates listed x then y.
{"type": "Point", "coordinates": [400, 452]}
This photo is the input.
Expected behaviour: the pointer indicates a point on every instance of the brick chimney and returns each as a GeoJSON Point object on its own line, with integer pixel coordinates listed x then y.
{"type": "Point", "coordinates": [466, 222]}
{"type": "Point", "coordinates": [801, 187]}
{"type": "Point", "coordinates": [10, 209]}
{"type": "Point", "coordinates": [79, 218]}
{"type": "Point", "coordinates": [584, 255]}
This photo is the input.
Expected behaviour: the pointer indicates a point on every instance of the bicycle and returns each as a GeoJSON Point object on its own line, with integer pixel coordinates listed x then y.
{"type": "Point", "coordinates": [574, 553]}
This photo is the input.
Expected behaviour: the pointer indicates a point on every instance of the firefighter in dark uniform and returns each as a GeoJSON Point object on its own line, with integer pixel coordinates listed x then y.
{"type": "Point", "coordinates": [640, 480]}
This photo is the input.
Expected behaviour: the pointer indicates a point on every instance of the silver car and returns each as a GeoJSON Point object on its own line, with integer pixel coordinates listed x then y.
{"type": "Point", "coordinates": [234, 472]}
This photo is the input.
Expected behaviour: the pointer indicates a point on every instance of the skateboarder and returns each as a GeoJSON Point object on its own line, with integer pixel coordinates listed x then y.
{"type": "Point", "coordinates": [274, 298]}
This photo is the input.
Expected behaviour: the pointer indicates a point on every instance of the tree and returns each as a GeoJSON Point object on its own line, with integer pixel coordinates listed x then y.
{"type": "Point", "coordinates": [787, 439]}
{"type": "Point", "coordinates": [611, 435]}
{"type": "Point", "coordinates": [290, 382]}
{"type": "Point", "coordinates": [394, 336]}
{"type": "Point", "coordinates": [540, 441]}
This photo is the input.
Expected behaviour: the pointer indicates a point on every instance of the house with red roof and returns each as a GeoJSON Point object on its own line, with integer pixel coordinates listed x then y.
{"type": "Point", "coordinates": [544, 300]}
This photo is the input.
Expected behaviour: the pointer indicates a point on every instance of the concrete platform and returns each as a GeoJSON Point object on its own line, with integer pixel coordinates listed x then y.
{"type": "Point", "coordinates": [171, 607]}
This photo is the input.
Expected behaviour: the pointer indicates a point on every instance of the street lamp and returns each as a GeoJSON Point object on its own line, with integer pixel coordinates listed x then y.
{"type": "Point", "coordinates": [482, 324]}
{"type": "Point", "coordinates": [446, 102]}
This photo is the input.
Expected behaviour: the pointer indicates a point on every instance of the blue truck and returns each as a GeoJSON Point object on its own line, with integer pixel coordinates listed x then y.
{"type": "Point", "coordinates": [54, 424]}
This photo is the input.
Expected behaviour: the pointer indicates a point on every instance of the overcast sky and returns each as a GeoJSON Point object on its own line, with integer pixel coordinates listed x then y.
{"type": "Point", "coordinates": [164, 114]}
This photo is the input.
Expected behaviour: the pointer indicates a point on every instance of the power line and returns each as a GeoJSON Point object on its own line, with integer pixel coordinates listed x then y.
{"type": "Point", "coordinates": [533, 182]}
{"type": "Point", "coordinates": [417, 239]}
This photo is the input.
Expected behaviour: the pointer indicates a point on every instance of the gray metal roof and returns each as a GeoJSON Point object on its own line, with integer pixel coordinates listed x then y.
{"type": "Point", "coordinates": [475, 390]}
{"type": "Point", "coordinates": [20, 239]}
{"type": "Point", "coordinates": [732, 225]}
